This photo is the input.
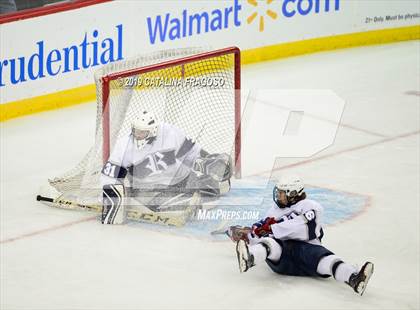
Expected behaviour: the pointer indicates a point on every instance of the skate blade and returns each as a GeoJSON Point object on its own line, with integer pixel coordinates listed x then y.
{"type": "Point", "coordinates": [242, 254]}
{"type": "Point", "coordinates": [368, 271]}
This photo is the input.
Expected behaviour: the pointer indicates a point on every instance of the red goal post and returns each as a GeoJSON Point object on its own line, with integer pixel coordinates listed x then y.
{"type": "Point", "coordinates": [204, 58]}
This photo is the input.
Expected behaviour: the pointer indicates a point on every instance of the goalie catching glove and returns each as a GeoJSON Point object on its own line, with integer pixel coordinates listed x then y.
{"type": "Point", "coordinates": [113, 207]}
{"type": "Point", "coordinates": [211, 174]}
{"type": "Point", "coordinates": [218, 166]}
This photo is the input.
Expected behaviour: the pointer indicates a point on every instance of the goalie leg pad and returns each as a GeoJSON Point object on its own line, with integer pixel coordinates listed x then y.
{"type": "Point", "coordinates": [113, 207]}
{"type": "Point", "coordinates": [175, 201]}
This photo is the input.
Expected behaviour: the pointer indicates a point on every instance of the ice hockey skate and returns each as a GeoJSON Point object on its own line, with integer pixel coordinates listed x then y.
{"type": "Point", "coordinates": [358, 281]}
{"type": "Point", "coordinates": [245, 259]}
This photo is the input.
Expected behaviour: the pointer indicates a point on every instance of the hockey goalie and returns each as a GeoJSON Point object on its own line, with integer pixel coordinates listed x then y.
{"type": "Point", "coordinates": [158, 167]}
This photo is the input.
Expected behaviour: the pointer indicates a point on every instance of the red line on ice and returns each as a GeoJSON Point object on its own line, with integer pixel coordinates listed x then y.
{"type": "Point", "coordinates": [356, 148]}
{"type": "Point", "coordinates": [52, 228]}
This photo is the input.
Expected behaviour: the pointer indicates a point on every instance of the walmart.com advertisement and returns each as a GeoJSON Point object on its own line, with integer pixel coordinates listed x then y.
{"type": "Point", "coordinates": [54, 59]}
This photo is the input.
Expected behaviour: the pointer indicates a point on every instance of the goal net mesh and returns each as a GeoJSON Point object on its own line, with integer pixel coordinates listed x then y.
{"type": "Point", "coordinates": [191, 88]}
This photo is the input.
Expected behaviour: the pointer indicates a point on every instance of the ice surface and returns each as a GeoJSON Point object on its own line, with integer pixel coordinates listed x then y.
{"type": "Point", "coordinates": [57, 259]}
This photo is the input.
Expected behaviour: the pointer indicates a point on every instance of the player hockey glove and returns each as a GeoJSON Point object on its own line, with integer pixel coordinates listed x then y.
{"type": "Point", "coordinates": [238, 232]}
{"type": "Point", "coordinates": [263, 227]}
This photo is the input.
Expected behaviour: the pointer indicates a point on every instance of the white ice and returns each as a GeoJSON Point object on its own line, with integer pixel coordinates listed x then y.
{"type": "Point", "coordinates": [57, 259]}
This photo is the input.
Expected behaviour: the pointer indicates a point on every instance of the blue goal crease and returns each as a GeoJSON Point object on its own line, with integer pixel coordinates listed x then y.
{"type": "Point", "coordinates": [253, 196]}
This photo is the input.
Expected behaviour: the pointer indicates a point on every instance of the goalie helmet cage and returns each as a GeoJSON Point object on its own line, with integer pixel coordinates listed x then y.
{"type": "Point", "coordinates": [179, 86]}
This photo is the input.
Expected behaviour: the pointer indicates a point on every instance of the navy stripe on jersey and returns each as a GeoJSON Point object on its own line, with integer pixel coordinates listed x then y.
{"type": "Point", "coordinates": [311, 223]}
{"type": "Point", "coordinates": [311, 230]}
{"type": "Point", "coordinates": [186, 146]}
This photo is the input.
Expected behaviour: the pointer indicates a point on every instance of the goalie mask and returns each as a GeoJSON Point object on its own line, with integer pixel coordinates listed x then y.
{"type": "Point", "coordinates": [288, 191]}
{"type": "Point", "coordinates": [144, 128]}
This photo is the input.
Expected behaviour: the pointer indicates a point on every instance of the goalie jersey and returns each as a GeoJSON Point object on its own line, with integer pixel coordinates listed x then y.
{"type": "Point", "coordinates": [165, 160]}
{"type": "Point", "coordinates": [301, 221]}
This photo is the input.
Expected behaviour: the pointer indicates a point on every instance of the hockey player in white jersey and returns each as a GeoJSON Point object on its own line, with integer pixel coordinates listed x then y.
{"type": "Point", "coordinates": [162, 168]}
{"type": "Point", "coordinates": [289, 238]}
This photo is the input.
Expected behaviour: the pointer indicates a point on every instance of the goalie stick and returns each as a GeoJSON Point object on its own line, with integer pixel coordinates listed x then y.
{"type": "Point", "coordinates": [175, 218]}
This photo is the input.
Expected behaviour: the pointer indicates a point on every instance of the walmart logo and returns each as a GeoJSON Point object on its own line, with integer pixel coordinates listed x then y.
{"type": "Point", "coordinates": [269, 12]}
{"type": "Point", "coordinates": [289, 9]}
{"type": "Point", "coordinates": [171, 26]}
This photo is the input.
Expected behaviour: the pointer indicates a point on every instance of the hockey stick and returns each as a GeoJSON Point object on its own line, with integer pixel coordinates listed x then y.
{"type": "Point", "coordinates": [235, 233]}
{"type": "Point", "coordinates": [168, 218]}
{"type": "Point", "coordinates": [222, 229]}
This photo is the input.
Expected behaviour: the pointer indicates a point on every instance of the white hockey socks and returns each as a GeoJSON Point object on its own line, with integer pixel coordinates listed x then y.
{"type": "Point", "coordinates": [266, 248]}
{"type": "Point", "coordinates": [259, 252]}
{"type": "Point", "coordinates": [113, 207]}
{"type": "Point", "coordinates": [332, 265]}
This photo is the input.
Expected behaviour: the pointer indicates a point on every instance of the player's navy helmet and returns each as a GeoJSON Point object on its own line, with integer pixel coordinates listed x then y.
{"type": "Point", "coordinates": [288, 190]}
{"type": "Point", "coordinates": [144, 127]}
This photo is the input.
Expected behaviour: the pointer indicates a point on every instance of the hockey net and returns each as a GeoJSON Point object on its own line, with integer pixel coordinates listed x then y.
{"type": "Point", "coordinates": [194, 89]}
